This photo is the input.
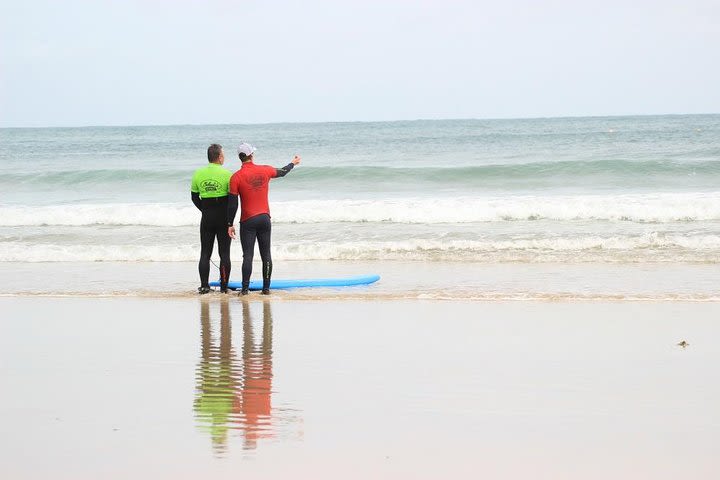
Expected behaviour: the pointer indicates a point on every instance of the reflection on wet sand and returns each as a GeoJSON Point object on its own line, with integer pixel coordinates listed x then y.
{"type": "Point", "coordinates": [232, 394]}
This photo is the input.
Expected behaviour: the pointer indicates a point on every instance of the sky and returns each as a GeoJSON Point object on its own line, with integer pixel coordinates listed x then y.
{"type": "Point", "coordinates": [160, 62]}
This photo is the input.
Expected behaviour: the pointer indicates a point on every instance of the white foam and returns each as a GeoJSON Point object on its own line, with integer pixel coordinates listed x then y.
{"type": "Point", "coordinates": [659, 207]}
{"type": "Point", "coordinates": [20, 252]}
{"type": "Point", "coordinates": [632, 248]}
{"type": "Point", "coordinates": [161, 214]}
{"type": "Point", "coordinates": [636, 207]}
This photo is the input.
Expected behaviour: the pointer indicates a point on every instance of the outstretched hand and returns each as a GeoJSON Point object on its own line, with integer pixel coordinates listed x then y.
{"type": "Point", "coordinates": [296, 159]}
{"type": "Point", "coordinates": [231, 233]}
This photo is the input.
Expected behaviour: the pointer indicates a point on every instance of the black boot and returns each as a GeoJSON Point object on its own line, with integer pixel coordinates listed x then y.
{"type": "Point", "coordinates": [223, 279]}
{"type": "Point", "coordinates": [267, 273]}
{"type": "Point", "coordinates": [245, 288]}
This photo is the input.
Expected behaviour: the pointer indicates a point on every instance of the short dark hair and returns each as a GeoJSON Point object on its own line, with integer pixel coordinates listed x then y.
{"type": "Point", "coordinates": [214, 152]}
{"type": "Point", "coordinates": [242, 156]}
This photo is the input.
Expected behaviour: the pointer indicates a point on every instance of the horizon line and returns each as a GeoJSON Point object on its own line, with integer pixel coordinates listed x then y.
{"type": "Point", "coordinates": [322, 122]}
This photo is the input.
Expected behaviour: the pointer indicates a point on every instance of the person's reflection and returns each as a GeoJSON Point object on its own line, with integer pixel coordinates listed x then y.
{"type": "Point", "coordinates": [257, 365]}
{"type": "Point", "coordinates": [233, 395]}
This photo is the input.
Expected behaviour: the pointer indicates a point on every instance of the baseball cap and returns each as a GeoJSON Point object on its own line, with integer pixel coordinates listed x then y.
{"type": "Point", "coordinates": [246, 148]}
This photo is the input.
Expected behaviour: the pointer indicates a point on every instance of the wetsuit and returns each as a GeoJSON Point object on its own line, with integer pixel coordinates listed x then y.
{"type": "Point", "coordinates": [209, 193]}
{"type": "Point", "coordinates": [251, 184]}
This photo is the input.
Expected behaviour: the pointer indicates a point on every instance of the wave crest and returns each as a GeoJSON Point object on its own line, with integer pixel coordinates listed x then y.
{"type": "Point", "coordinates": [641, 208]}
{"type": "Point", "coordinates": [650, 247]}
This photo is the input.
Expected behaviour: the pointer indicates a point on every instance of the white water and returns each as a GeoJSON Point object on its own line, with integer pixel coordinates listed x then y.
{"type": "Point", "coordinates": [642, 208]}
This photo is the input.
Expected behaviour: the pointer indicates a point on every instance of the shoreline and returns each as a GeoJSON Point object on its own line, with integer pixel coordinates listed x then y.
{"type": "Point", "coordinates": [302, 295]}
{"type": "Point", "coordinates": [417, 281]}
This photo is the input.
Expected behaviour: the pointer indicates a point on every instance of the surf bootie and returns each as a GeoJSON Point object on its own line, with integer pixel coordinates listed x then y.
{"type": "Point", "coordinates": [244, 291]}
{"type": "Point", "coordinates": [203, 290]}
{"type": "Point", "coordinates": [224, 290]}
{"type": "Point", "coordinates": [267, 273]}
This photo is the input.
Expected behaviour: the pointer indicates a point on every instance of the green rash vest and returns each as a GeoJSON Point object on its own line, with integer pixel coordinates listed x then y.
{"type": "Point", "coordinates": [211, 182]}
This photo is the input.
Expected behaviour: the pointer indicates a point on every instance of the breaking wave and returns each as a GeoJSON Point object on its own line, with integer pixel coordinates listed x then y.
{"type": "Point", "coordinates": [640, 208]}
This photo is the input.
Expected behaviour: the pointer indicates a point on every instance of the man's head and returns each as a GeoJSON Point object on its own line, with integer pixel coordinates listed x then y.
{"type": "Point", "coordinates": [215, 154]}
{"type": "Point", "coordinates": [245, 152]}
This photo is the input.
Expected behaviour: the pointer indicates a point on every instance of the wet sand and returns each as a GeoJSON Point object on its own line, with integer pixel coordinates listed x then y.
{"type": "Point", "coordinates": [220, 388]}
{"type": "Point", "coordinates": [399, 280]}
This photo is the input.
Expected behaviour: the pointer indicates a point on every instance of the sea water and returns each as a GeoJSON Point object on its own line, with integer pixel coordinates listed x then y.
{"type": "Point", "coordinates": [607, 190]}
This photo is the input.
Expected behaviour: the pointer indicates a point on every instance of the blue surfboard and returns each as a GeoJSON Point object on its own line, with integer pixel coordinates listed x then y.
{"type": "Point", "coordinates": [306, 282]}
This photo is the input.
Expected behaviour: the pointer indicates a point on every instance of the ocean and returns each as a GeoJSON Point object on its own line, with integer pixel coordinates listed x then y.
{"type": "Point", "coordinates": [559, 191]}
{"type": "Point", "coordinates": [549, 292]}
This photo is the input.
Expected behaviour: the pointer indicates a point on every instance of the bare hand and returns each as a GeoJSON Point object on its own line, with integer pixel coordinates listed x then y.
{"type": "Point", "coordinates": [296, 159]}
{"type": "Point", "coordinates": [231, 232]}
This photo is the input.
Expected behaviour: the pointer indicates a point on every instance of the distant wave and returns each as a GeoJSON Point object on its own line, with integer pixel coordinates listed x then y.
{"type": "Point", "coordinates": [507, 171]}
{"type": "Point", "coordinates": [94, 176]}
{"type": "Point", "coordinates": [642, 208]}
{"type": "Point", "coordinates": [408, 174]}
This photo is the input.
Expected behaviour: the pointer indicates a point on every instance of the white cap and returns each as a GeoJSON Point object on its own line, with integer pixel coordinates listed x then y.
{"type": "Point", "coordinates": [246, 148]}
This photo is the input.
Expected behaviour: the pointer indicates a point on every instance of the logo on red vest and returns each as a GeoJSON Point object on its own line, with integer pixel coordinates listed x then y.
{"type": "Point", "coordinates": [256, 181]}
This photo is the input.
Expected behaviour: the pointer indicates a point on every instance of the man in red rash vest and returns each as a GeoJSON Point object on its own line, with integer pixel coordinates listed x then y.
{"type": "Point", "coordinates": [251, 184]}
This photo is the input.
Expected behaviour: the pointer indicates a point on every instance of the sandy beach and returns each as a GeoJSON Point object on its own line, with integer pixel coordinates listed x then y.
{"type": "Point", "coordinates": [218, 387]}
{"type": "Point", "coordinates": [536, 278]}
{"type": "Point", "coordinates": [530, 191]}
{"type": "Point", "coordinates": [474, 281]}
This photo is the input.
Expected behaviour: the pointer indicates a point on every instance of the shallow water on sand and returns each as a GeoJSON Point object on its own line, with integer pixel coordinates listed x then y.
{"type": "Point", "coordinates": [234, 381]}
{"type": "Point", "coordinates": [221, 388]}
{"type": "Point", "coordinates": [398, 281]}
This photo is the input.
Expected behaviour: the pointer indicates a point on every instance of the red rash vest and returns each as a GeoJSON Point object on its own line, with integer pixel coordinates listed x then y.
{"type": "Point", "coordinates": [251, 183]}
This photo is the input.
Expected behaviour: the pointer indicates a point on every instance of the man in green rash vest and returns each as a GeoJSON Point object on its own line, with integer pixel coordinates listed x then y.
{"type": "Point", "coordinates": [209, 193]}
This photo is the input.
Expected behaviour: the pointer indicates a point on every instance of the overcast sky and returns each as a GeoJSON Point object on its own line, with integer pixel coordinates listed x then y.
{"type": "Point", "coordinates": [146, 62]}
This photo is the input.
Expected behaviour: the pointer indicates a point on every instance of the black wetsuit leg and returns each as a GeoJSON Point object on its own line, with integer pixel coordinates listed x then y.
{"type": "Point", "coordinates": [257, 227]}
{"type": "Point", "coordinates": [207, 242]}
{"type": "Point", "coordinates": [247, 241]}
{"type": "Point", "coordinates": [263, 235]}
{"type": "Point", "coordinates": [213, 225]}
{"type": "Point", "coordinates": [223, 240]}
